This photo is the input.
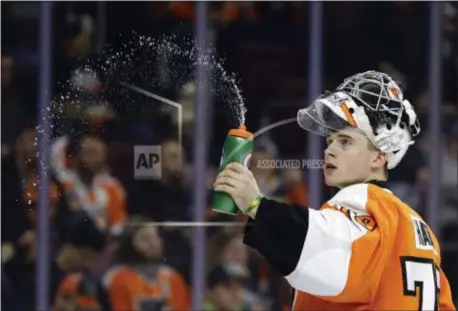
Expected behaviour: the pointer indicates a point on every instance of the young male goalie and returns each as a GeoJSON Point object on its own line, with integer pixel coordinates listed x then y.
{"type": "Point", "coordinates": [364, 249]}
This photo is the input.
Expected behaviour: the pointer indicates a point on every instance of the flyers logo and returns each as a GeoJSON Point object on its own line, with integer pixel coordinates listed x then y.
{"type": "Point", "coordinates": [367, 222]}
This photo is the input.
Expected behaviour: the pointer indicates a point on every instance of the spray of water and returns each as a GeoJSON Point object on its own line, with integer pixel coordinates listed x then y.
{"type": "Point", "coordinates": [163, 65]}
{"type": "Point", "coordinates": [241, 110]}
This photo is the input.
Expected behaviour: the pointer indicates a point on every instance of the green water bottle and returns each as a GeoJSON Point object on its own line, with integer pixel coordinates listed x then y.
{"type": "Point", "coordinates": [238, 147]}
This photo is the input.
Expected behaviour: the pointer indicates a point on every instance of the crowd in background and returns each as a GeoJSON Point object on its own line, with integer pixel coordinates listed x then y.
{"type": "Point", "coordinates": [103, 256]}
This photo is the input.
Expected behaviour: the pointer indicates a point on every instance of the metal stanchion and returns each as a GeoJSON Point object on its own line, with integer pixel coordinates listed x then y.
{"type": "Point", "coordinates": [43, 261]}
{"type": "Point", "coordinates": [315, 76]}
{"type": "Point", "coordinates": [200, 162]}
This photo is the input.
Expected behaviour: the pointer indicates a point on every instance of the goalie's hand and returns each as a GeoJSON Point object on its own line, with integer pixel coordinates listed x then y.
{"type": "Point", "coordinates": [239, 182]}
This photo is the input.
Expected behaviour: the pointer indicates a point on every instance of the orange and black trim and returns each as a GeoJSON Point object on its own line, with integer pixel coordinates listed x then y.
{"type": "Point", "coordinates": [348, 114]}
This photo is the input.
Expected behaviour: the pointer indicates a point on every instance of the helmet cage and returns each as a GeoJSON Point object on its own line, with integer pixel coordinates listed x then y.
{"type": "Point", "coordinates": [371, 101]}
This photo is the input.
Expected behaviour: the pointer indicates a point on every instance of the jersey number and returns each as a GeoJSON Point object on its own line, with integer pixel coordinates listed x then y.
{"type": "Point", "coordinates": [421, 273]}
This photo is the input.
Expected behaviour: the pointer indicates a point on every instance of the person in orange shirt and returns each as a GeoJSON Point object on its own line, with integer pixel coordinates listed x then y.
{"type": "Point", "coordinates": [139, 280]}
{"type": "Point", "coordinates": [78, 290]}
{"type": "Point", "coordinates": [69, 298]}
{"type": "Point", "coordinates": [80, 166]}
{"type": "Point", "coordinates": [364, 249]}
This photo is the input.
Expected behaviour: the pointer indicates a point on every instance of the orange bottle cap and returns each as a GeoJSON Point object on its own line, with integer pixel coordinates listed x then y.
{"type": "Point", "coordinates": [241, 132]}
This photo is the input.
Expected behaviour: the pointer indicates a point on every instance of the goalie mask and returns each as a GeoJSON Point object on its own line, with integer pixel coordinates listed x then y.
{"type": "Point", "coordinates": [371, 101]}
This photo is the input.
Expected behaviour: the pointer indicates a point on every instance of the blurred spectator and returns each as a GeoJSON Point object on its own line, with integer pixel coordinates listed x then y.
{"type": "Point", "coordinates": [140, 280]}
{"type": "Point", "coordinates": [295, 188]}
{"type": "Point", "coordinates": [16, 100]}
{"type": "Point", "coordinates": [263, 168]}
{"type": "Point", "coordinates": [17, 167]}
{"type": "Point", "coordinates": [226, 250]}
{"type": "Point", "coordinates": [169, 196]}
{"type": "Point", "coordinates": [77, 290]}
{"type": "Point", "coordinates": [449, 174]}
{"type": "Point", "coordinates": [31, 198]}
{"type": "Point", "coordinates": [20, 186]}
{"type": "Point", "coordinates": [227, 247]}
{"type": "Point", "coordinates": [80, 166]}
{"type": "Point", "coordinates": [226, 289]}
{"type": "Point", "coordinates": [168, 199]}
{"type": "Point", "coordinates": [282, 183]}
{"type": "Point", "coordinates": [226, 286]}
{"type": "Point", "coordinates": [20, 256]}
{"type": "Point", "coordinates": [19, 201]}
{"type": "Point", "coordinates": [74, 45]}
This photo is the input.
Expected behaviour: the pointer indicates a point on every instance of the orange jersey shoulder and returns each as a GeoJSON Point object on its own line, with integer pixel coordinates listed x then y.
{"type": "Point", "coordinates": [375, 253]}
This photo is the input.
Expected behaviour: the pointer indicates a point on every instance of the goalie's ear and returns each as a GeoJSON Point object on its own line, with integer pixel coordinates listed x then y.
{"type": "Point", "coordinates": [380, 160]}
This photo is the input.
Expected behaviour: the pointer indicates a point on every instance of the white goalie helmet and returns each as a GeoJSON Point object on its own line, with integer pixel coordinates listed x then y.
{"type": "Point", "coordinates": [371, 101]}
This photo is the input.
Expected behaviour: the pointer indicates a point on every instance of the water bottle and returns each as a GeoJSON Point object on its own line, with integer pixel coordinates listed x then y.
{"type": "Point", "coordinates": [238, 147]}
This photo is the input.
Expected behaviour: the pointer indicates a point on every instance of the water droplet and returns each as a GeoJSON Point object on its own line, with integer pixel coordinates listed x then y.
{"type": "Point", "coordinates": [136, 61]}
